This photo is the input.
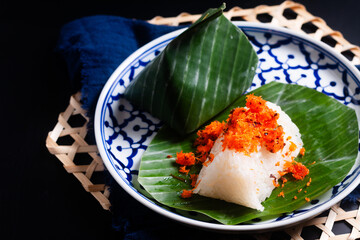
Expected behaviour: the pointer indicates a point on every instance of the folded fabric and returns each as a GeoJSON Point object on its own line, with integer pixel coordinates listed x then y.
{"type": "Point", "coordinates": [93, 47]}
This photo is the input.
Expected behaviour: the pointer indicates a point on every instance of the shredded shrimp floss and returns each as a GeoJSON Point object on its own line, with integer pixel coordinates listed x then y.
{"type": "Point", "coordinates": [243, 158]}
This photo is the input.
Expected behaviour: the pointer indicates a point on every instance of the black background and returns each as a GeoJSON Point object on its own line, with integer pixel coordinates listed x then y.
{"type": "Point", "coordinates": [38, 198]}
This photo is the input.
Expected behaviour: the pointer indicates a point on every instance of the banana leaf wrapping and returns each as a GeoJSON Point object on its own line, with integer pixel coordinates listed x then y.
{"type": "Point", "coordinates": [329, 131]}
{"type": "Point", "coordinates": [197, 75]}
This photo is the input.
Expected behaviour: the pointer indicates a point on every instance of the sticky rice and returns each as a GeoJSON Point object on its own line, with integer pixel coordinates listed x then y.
{"type": "Point", "coordinates": [248, 178]}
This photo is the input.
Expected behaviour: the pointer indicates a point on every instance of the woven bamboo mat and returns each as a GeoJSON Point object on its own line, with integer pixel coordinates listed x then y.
{"type": "Point", "coordinates": [67, 141]}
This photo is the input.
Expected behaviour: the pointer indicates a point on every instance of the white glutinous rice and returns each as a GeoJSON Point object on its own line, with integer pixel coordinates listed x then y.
{"type": "Point", "coordinates": [247, 179]}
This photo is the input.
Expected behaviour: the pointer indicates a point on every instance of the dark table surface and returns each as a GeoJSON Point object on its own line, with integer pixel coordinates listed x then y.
{"type": "Point", "coordinates": [38, 197]}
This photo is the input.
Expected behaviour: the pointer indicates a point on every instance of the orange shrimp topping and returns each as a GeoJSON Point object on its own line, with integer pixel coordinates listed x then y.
{"type": "Point", "coordinates": [276, 184]}
{"type": "Point", "coordinates": [302, 151]}
{"type": "Point", "coordinates": [183, 169]}
{"type": "Point", "coordinates": [193, 178]}
{"type": "Point", "coordinates": [284, 180]}
{"type": "Point", "coordinates": [206, 139]}
{"type": "Point", "coordinates": [298, 170]}
{"type": "Point", "coordinates": [308, 183]}
{"type": "Point", "coordinates": [292, 146]}
{"type": "Point", "coordinates": [186, 193]}
{"type": "Point", "coordinates": [185, 159]}
{"type": "Point", "coordinates": [247, 128]}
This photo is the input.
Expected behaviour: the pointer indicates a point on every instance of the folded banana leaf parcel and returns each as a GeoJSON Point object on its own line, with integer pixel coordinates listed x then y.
{"type": "Point", "coordinates": [197, 75]}
{"type": "Point", "coordinates": [199, 78]}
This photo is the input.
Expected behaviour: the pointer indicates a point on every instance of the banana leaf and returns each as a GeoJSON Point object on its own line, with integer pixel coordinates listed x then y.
{"type": "Point", "coordinates": [329, 131]}
{"type": "Point", "coordinates": [192, 79]}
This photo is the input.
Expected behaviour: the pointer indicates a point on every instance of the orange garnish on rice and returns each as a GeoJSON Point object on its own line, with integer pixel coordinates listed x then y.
{"type": "Point", "coordinates": [193, 178]}
{"type": "Point", "coordinates": [244, 131]}
{"type": "Point", "coordinates": [247, 128]}
{"type": "Point", "coordinates": [206, 138]}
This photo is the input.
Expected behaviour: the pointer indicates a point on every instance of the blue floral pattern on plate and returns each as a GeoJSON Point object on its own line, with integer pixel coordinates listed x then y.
{"type": "Point", "coordinates": [124, 132]}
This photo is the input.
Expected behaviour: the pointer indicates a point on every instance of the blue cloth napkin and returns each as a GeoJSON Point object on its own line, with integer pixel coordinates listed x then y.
{"type": "Point", "coordinates": [93, 47]}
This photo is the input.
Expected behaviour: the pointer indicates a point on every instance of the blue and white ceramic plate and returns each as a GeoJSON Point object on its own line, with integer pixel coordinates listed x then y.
{"type": "Point", "coordinates": [123, 133]}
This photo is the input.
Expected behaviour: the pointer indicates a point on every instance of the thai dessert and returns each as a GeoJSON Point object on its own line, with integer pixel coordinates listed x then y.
{"type": "Point", "coordinates": [244, 158]}
{"type": "Point", "coordinates": [255, 148]}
